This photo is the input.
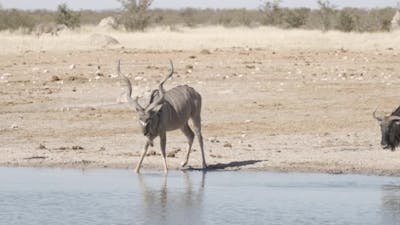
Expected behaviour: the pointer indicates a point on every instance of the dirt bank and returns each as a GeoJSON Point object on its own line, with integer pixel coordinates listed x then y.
{"type": "Point", "coordinates": [267, 109]}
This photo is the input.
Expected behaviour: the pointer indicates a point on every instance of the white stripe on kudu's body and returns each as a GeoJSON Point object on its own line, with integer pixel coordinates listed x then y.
{"type": "Point", "coordinates": [166, 111]}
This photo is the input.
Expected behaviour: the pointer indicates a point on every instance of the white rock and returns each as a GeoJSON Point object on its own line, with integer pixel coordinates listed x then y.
{"type": "Point", "coordinates": [72, 66]}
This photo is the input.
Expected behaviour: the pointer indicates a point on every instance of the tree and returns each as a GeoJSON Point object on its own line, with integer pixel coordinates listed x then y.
{"type": "Point", "coordinates": [67, 17]}
{"type": "Point", "coordinates": [326, 12]}
{"type": "Point", "coordinates": [135, 15]}
{"type": "Point", "coordinates": [272, 12]}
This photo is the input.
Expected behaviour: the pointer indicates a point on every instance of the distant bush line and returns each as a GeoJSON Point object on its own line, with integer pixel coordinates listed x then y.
{"type": "Point", "coordinates": [328, 18]}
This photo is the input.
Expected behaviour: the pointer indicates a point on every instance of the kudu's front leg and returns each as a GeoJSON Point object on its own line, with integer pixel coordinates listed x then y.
{"type": "Point", "coordinates": [163, 144]}
{"type": "Point", "coordinates": [137, 170]}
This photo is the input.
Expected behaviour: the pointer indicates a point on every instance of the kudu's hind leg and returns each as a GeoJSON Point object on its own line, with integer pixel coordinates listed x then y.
{"type": "Point", "coordinates": [137, 170]}
{"type": "Point", "coordinates": [197, 130]}
{"type": "Point", "coordinates": [190, 136]}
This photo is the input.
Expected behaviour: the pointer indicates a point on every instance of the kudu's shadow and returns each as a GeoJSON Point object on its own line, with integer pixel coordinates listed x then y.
{"type": "Point", "coordinates": [234, 165]}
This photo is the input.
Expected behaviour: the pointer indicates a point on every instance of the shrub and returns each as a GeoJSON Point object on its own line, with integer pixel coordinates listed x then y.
{"type": "Point", "coordinates": [296, 18]}
{"type": "Point", "coordinates": [346, 21]}
{"type": "Point", "coordinates": [272, 12]}
{"type": "Point", "coordinates": [135, 15]}
{"type": "Point", "coordinates": [189, 17]}
{"type": "Point", "coordinates": [66, 16]}
{"type": "Point", "coordinates": [14, 19]}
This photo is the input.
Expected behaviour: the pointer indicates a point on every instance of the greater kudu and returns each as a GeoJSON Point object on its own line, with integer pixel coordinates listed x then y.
{"type": "Point", "coordinates": [167, 111]}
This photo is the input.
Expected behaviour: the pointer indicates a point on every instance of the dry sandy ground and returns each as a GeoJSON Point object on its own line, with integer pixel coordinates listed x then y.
{"type": "Point", "coordinates": [272, 100]}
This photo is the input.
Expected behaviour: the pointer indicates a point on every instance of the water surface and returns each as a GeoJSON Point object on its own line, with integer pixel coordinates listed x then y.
{"type": "Point", "coordinates": [56, 196]}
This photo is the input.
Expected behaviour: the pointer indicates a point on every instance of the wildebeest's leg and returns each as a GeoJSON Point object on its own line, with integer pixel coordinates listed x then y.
{"type": "Point", "coordinates": [163, 143]}
{"type": "Point", "coordinates": [137, 170]}
{"type": "Point", "coordinates": [197, 129]}
{"type": "Point", "coordinates": [190, 136]}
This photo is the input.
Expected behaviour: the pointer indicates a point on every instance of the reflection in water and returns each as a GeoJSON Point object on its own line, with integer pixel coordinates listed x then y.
{"type": "Point", "coordinates": [103, 197]}
{"type": "Point", "coordinates": [174, 204]}
{"type": "Point", "coordinates": [391, 203]}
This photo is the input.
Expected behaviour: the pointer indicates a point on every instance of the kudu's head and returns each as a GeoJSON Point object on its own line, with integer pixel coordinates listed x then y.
{"type": "Point", "coordinates": [149, 116]}
{"type": "Point", "coordinates": [390, 130]}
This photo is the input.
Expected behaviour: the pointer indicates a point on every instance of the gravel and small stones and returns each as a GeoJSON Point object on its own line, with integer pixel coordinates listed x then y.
{"type": "Point", "coordinates": [173, 153]}
{"type": "Point", "coordinates": [77, 147]}
{"type": "Point", "coordinates": [36, 157]}
{"type": "Point", "coordinates": [42, 146]}
{"type": "Point", "coordinates": [152, 153]}
{"type": "Point", "coordinates": [227, 145]}
{"type": "Point", "coordinates": [205, 52]}
{"type": "Point", "coordinates": [213, 140]}
{"type": "Point", "coordinates": [55, 78]}
{"type": "Point", "coordinates": [98, 72]}
{"type": "Point", "coordinates": [74, 147]}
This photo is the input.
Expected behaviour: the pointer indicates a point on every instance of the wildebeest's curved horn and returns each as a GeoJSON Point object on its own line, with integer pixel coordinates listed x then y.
{"type": "Point", "coordinates": [391, 118]}
{"type": "Point", "coordinates": [375, 116]}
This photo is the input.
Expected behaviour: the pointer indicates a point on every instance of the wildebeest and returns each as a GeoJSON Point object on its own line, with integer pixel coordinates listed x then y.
{"type": "Point", "coordinates": [49, 28]}
{"type": "Point", "coordinates": [167, 111]}
{"type": "Point", "coordinates": [390, 129]}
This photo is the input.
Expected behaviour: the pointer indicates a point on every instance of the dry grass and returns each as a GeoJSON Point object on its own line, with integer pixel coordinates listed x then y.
{"type": "Point", "coordinates": [204, 37]}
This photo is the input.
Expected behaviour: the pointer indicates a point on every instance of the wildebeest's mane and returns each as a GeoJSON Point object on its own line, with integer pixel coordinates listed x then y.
{"type": "Point", "coordinates": [394, 134]}
{"type": "Point", "coordinates": [396, 112]}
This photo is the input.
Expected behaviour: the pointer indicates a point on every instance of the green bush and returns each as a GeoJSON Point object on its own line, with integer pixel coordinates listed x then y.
{"type": "Point", "coordinates": [296, 18]}
{"type": "Point", "coordinates": [272, 13]}
{"type": "Point", "coordinates": [14, 19]}
{"type": "Point", "coordinates": [346, 21]}
{"type": "Point", "coordinates": [188, 16]}
{"type": "Point", "coordinates": [66, 16]}
{"type": "Point", "coordinates": [135, 14]}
